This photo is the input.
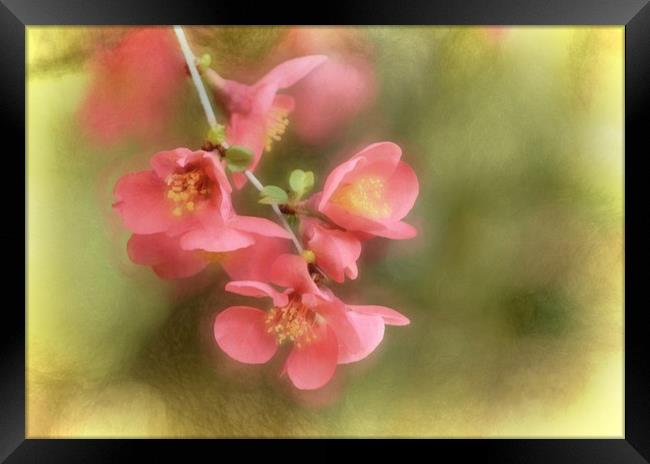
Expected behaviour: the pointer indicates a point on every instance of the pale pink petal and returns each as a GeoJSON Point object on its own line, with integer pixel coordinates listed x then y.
{"type": "Point", "coordinates": [259, 226]}
{"type": "Point", "coordinates": [291, 271]}
{"type": "Point", "coordinates": [216, 239]}
{"type": "Point", "coordinates": [240, 331]}
{"type": "Point", "coordinates": [284, 103]}
{"type": "Point", "coordinates": [369, 333]}
{"type": "Point", "coordinates": [403, 190]}
{"type": "Point", "coordinates": [335, 178]}
{"type": "Point", "coordinates": [258, 290]}
{"type": "Point", "coordinates": [313, 364]}
{"type": "Point", "coordinates": [140, 200]}
{"type": "Point", "coordinates": [165, 256]}
{"type": "Point", "coordinates": [390, 316]}
{"type": "Point", "coordinates": [288, 73]}
{"type": "Point", "coordinates": [350, 220]}
{"type": "Point", "coordinates": [166, 162]}
{"type": "Point", "coordinates": [396, 231]}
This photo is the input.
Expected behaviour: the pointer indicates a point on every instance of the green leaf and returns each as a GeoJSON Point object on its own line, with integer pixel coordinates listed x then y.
{"type": "Point", "coordinates": [238, 158]}
{"type": "Point", "coordinates": [309, 181]}
{"type": "Point", "coordinates": [296, 180]}
{"type": "Point", "coordinates": [273, 194]}
{"type": "Point", "coordinates": [301, 182]}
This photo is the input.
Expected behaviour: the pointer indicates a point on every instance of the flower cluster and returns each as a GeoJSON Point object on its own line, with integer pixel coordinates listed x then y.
{"type": "Point", "coordinates": [181, 215]}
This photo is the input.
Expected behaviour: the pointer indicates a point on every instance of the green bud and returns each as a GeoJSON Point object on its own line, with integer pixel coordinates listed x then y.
{"type": "Point", "coordinates": [216, 135]}
{"type": "Point", "coordinates": [204, 62]}
{"type": "Point", "coordinates": [308, 256]}
{"type": "Point", "coordinates": [238, 158]}
{"type": "Point", "coordinates": [273, 194]}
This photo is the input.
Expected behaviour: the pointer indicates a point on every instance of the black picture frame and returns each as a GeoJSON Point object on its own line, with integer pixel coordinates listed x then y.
{"type": "Point", "coordinates": [15, 15]}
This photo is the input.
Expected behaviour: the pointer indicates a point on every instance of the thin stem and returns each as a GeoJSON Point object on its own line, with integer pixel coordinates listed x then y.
{"type": "Point", "coordinates": [258, 185]}
{"type": "Point", "coordinates": [196, 78]}
{"type": "Point", "coordinates": [212, 120]}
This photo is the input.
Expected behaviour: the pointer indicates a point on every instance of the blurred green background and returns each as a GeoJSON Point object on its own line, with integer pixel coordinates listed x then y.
{"type": "Point", "coordinates": [513, 285]}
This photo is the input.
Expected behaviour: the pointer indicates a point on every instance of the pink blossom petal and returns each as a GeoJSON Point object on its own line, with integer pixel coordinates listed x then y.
{"type": "Point", "coordinates": [390, 316]}
{"type": "Point", "coordinates": [141, 201]}
{"type": "Point", "coordinates": [288, 73]}
{"type": "Point", "coordinates": [370, 332]}
{"type": "Point", "coordinates": [404, 188]}
{"type": "Point", "coordinates": [254, 262]}
{"type": "Point", "coordinates": [164, 255]}
{"type": "Point", "coordinates": [396, 231]}
{"type": "Point", "coordinates": [335, 178]}
{"type": "Point", "coordinates": [336, 251]}
{"type": "Point", "coordinates": [166, 162]}
{"type": "Point", "coordinates": [291, 271]}
{"type": "Point", "coordinates": [259, 226]}
{"type": "Point", "coordinates": [313, 365]}
{"type": "Point", "coordinates": [216, 239]}
{"type": "Point", "coordinates": [240, 331]}
{"type": "Point", "coordinates": [284, 103]}
{"type": "Point", "coordinates": [258, 290]}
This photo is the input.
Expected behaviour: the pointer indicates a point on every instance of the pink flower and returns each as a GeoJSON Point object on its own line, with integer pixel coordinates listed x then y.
{"type": "Point", "coordinates": [183, 204]}
{"type": "Point", "coordinates": [336, 250]}
{"type": "Point", "coordinates": [133, 86]}
{"type": "Point", "coordinates": [257, 113]}
{"type": "Point", "coordinates": [169, 260]}
{"type": "Point", "coordinates": [331, 96]}
{"type": "Point", "coordinates": [370, 193]}
{"type": "Point", "coordinates": [323, 330]}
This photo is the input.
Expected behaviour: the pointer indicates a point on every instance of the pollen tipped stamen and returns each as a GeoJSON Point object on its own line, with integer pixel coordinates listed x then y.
{"type": "Point", "coordinates": [276, 126]}
{"type": "Point", "coordinates": [185, 189]}
{"type": "Point", "coordinates": [294, 322]}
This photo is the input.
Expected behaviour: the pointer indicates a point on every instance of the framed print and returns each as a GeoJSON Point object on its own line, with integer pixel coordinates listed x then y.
{"type": "Point", "coordinates": [403, 222]}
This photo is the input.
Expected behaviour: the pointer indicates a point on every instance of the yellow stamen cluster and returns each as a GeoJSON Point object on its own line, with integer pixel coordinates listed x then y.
{"type": "Point", "coordinates": [365, 196]}
{"type": "Point", "coordinates": [294, 322]}
{"type": "Point", "coordinates": [276, 126]}
{"type": "Point", "coordinates": [184, 189]}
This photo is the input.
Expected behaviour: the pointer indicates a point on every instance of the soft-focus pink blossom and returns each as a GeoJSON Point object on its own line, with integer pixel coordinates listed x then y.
{"type": "Point", "coordinates": [183, 204]}
{"type": "Point", "coordinates": [323, 330]}
{"type": "Point", "coordinates": [331, 96]}
{"type": "Point", "coordinates": [133, 87]}
{"type": "Point", "coordinates": [371, 193]}
{"type": "Point", "coordinates": [257, 114]}
{"type": "Point", "coordinates": [336, 250]}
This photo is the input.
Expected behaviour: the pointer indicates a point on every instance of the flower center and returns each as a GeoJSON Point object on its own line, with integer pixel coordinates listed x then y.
{"type": "Point", "coordinates": [186, 189]}
{"type": "Point", "coordinates": [294, 322]}
{"type": "Point", "coordinates": [366, 197]}
{"type": "Point", "coordinates": [277, 123]}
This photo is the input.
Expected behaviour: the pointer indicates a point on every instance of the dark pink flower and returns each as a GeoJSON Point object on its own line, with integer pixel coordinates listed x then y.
{"type": "Point", "coordinates": [133, 86]}
{"type": "Point", "coordinates": [183, 204]}
{"type": "Point", "coordinates": [257, 113]}
{"type": "Point", "coordinates": [323, 330]}
{"type": "Point", "coordinates": [336, 250]}
{"type": "Point", "coordinates": [371, 193]}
